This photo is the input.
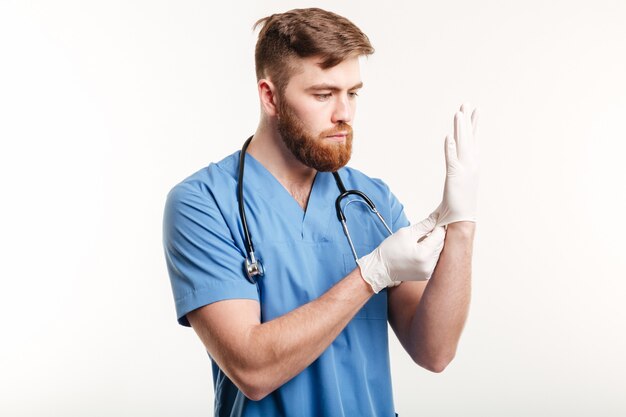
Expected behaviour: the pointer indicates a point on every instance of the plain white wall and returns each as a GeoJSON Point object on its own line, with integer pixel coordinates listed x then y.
{"type": "Point", "coordinates": [104, 106]}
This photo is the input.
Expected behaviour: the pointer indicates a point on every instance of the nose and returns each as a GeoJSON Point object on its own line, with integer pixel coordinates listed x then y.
{"type": "Point", "coordinates": [343, 111]}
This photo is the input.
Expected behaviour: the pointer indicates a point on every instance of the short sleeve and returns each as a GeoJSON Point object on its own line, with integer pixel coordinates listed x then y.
{"type": "Point", "coordinates": [398, 217]}
{"type": "Point", "coordinates": [203, 261]}
{"type": "Point", "coordinates": [396, 209]}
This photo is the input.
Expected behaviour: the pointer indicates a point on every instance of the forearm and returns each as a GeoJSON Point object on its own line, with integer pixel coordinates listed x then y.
{"type": "Point", "coordinates": [438, 321]}
{"type": "Point", "coordinates": [283, 347]}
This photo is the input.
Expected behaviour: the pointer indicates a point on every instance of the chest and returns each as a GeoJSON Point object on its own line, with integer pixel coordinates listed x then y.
{"type": "Point", "coordinates": [305, 255]}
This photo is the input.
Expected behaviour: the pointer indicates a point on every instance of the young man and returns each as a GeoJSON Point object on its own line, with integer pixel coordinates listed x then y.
{"type": "Point", "coordinates": [309, 336]}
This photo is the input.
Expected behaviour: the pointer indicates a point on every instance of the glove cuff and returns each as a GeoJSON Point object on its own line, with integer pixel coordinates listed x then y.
{"type": "Point", "coordinates": [447, 216]}
{"type": "Point", "coordinates": [374, 271]}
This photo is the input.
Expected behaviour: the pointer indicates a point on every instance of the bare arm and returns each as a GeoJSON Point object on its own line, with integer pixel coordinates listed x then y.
{"type": "Point", "coordinates": [428, 317]}
{"type": "Point", "coordinates": [260, 357]}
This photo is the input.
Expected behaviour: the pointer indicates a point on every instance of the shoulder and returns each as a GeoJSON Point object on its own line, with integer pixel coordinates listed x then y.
{"type": "Point", "coordinates": [207, 183]}
{"type": "Point", "coordinates": [353, 178]}
{"type": "Point", "coordinates": [379, 192]}
{"type": "Point", "coordinates": [207, 194]}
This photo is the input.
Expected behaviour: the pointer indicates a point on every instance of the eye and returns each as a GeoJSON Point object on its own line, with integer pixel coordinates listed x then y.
{"type": "Point", "coordinates": [322, 97]}
{"type": "Point", "coordinates": [353, 94]}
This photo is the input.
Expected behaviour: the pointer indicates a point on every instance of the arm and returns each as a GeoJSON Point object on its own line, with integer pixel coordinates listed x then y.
{"type": "Point", "coordinates": [257, 357]}
{"type": "Point", "coordinates": [260, 357]}
{"type": "Point", "coordinates": [204, 264]}
{"type": "Point", "coordinates": [428, 317]}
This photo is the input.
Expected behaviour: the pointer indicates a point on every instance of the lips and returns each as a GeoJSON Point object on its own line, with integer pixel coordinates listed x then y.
{"type": "Point", "coordinates": [337, 138]}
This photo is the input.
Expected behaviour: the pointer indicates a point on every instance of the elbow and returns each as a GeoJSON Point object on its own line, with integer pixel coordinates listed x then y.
{"type": "Point", "coordinates": [434, 363]}
{"type": "Point", "coordinates": [253, 393]}
{"type": "Point", "coordinates": [252, 385]}
{"type": "Point", "coordinates": [437, 366]}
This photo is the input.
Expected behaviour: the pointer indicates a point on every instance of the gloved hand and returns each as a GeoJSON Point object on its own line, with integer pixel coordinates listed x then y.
{"type": "Point", "coordinates": [461, 186]}
{"type": "Point", "coordinates": [410, 254]}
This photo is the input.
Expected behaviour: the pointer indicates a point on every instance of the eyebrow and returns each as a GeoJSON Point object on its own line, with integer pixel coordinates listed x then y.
{"type": "Point", "coordinates": [331, 87]}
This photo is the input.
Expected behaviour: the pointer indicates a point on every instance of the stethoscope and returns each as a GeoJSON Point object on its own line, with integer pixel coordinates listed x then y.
{"type": "Point", "coordinates": [252, 266]}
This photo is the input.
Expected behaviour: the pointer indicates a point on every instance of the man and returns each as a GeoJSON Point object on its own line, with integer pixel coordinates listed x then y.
{"type": "Point", "coordinates": [309, 336]}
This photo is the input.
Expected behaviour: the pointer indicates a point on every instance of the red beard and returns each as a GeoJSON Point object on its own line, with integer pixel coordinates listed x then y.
{"type": "Point", "coordinates": [317, 153]}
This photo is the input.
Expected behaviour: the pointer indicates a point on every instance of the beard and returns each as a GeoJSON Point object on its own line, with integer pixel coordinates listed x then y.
{"type": "Point", "coordinates": [315, 152]}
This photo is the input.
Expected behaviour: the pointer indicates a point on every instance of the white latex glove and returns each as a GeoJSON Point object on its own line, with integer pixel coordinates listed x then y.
{"type": "Point", "coordinates": [461, 186]}
{"type": "Point", "coordinates": [410, 254]}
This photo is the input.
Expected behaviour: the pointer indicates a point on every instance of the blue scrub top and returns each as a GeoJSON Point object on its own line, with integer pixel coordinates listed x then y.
{"type": "Point", "coordinates": [304, 254]}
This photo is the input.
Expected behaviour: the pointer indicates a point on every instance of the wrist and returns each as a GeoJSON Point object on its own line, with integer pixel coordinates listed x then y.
{"type": "Point", "coordinates": [463, 228]}
{"type": "Point", "coordinates": [365, 283]}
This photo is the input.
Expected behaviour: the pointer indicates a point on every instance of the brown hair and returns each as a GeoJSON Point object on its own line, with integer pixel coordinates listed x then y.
{"type": "Point", "coordinates": [305, 33]}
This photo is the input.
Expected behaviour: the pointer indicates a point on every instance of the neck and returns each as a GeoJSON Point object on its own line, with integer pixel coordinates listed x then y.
{"type": "Point", "coordinates": [268, 148]}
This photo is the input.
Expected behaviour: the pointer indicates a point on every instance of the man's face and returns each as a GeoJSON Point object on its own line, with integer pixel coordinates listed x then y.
{"type": "Point", "coordinates": [315, 113]}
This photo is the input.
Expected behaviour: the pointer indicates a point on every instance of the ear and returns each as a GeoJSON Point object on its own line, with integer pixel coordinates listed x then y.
{"type": "Point", "coordinates": [268, 96]}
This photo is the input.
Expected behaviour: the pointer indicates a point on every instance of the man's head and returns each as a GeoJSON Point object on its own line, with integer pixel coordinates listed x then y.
{"type": "Point", "coordinates": [307, 59]}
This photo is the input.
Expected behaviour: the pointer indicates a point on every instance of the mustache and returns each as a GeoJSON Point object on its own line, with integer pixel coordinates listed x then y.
{"type": "Point", "coordinates": [339, 128]}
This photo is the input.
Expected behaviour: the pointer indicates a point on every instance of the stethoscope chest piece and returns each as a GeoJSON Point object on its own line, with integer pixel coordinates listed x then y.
{"type": "Point", "coordinates": [253, 270]}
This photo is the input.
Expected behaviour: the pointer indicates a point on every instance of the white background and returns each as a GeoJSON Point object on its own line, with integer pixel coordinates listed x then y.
{"type": "Point", "coordinates": [104, 106]}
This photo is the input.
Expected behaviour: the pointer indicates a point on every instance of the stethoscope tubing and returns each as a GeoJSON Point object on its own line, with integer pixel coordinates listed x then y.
{"type": "Point", "coordinates": [252, 266]}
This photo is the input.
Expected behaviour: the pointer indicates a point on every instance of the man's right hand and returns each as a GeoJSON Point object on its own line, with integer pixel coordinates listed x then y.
{"type": "Point", "coordinates": [410, 254]}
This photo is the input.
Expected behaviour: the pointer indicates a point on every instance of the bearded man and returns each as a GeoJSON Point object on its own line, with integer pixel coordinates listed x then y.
{"type": "Point", "coordinates": [295, 324]}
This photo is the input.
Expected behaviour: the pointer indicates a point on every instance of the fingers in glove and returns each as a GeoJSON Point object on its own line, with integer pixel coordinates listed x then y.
{"type": "Point", "coordinates": [435, 238]}
{"type": "Point", "coordinates": [421, 229]}
{"type": "Point", "coordinates": [450, 151]}
{"type": "Point", "coordinates": [462, 136]}
{"type": "Point", "coordinates": [471, 114]}
{"type": "Point", "coordinates": [475, 115]}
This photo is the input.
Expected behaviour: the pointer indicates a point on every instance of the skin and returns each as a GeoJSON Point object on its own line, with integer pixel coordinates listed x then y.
{"type": "Point", "coordinates": [427, 317]}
